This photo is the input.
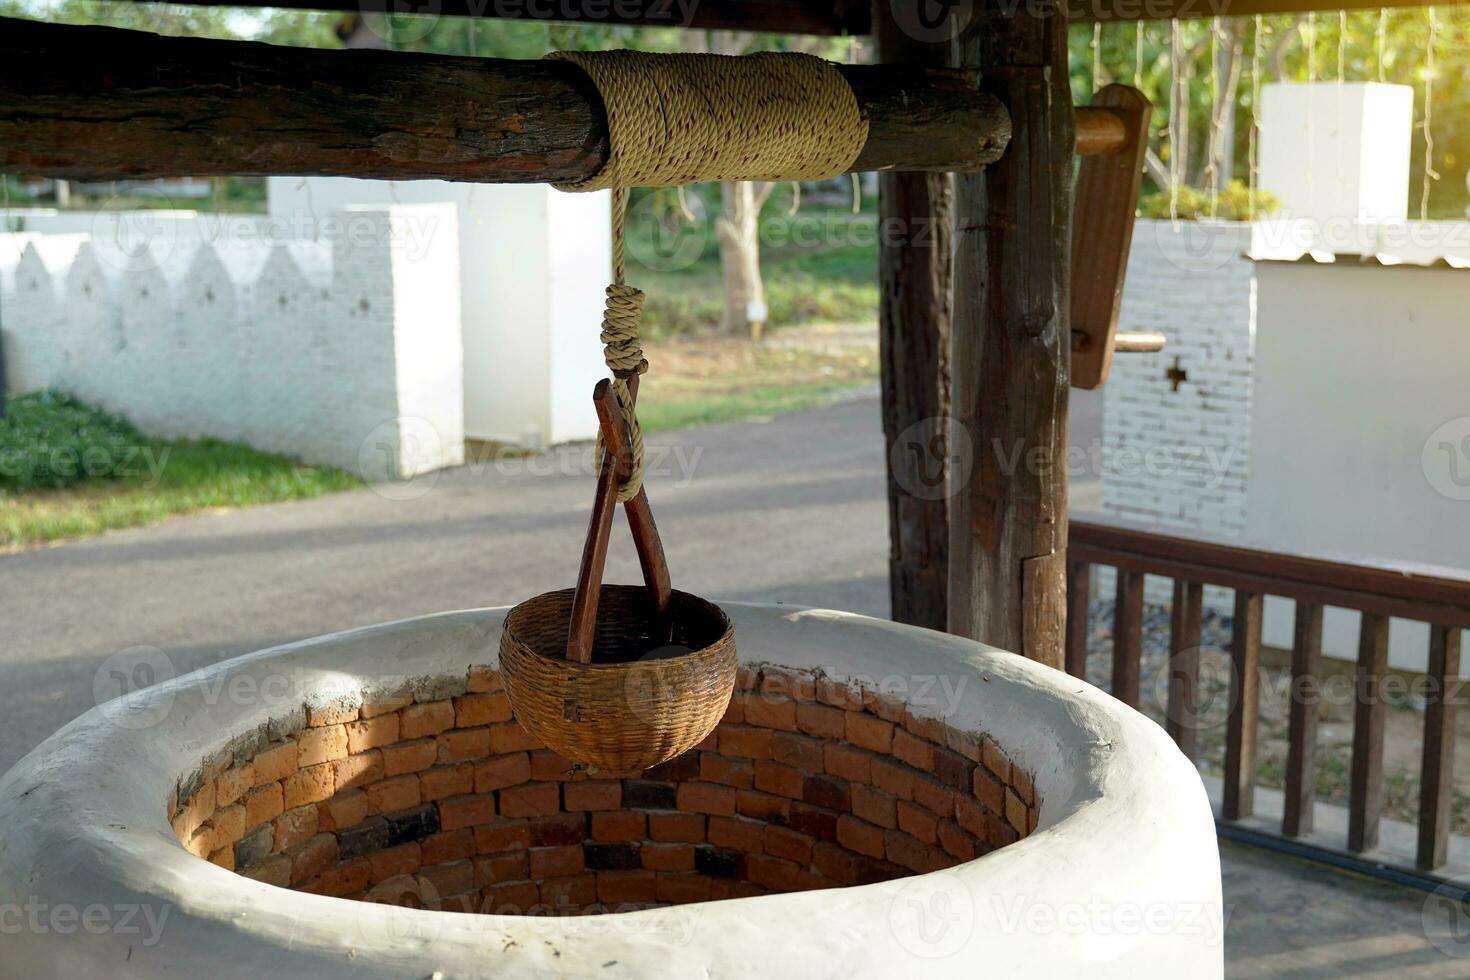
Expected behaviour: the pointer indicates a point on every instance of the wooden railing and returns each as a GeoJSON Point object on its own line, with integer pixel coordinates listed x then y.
{"type": "Point", "coordinates": [1379, 590]}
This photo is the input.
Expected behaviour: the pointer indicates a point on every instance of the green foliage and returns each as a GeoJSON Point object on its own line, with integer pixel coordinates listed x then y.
{"type": "Point", "coordinates": [53, 440]}
{"type": "Point", "coordinates": [1234, 204]}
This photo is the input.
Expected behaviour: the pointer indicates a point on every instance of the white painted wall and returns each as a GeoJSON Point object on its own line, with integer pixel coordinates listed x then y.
{"type": "Point", "coordinates": [1360, 441]}
{"type": "Point", "coordinates": [1337, 150]}
{"type": "Point", "coordinates": [309, 348]}
{"type": "Point", "coordinates": [535, 262]}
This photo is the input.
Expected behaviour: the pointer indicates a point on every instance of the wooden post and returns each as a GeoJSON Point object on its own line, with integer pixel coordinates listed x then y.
{"type": "Point", "coordinates": [1012, 345]}
{"type": "Point", "coordinates": [915, 279]}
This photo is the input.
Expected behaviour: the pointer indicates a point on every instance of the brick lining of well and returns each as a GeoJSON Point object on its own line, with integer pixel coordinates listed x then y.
{"type": "Point", "coordinates": [444, 801]}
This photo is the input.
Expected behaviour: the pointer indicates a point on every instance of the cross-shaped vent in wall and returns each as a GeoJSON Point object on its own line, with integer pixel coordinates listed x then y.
{"type": "Point", "coordinates": [1176, 375]}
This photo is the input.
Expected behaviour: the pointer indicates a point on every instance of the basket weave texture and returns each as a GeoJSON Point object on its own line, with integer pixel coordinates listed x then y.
{"type": "Point", "coordinates": [618, 713]}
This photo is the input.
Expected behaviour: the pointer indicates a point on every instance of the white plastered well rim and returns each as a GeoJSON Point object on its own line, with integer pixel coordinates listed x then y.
{"type": "Point", "coordinates": [1120, 878]}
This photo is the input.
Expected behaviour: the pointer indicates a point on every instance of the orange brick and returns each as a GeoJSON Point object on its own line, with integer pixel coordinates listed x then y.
{"type": "Point", "coordinates": [461, 745]}
{"type": "Point", "coordinates": [906, 852]}
{"type": "Point", "coordinates": [274, 764]}
{"type": "Point", "coordinates": [917, 822]}
{"type": "Point", "coordinates": [995, 760]}
{"type": "Point", "coordinates": [405, 859]}
{"type": "Point", "coordinates": [821, 720]}
{"type": "Point", "coordinates": [376, 707]}
{"type": "Point", "coordinates": [312, 857]}
{"type": "Point", "coordinates": [530, 800]}
{"type": "Point", "coordinates": [761, 806]}
{"type": "Point", "coordinates": [893, 777]}
{"type": "Point", "coordinates": [263, 804]}
{"type": "Point", "coordinates": [771, 711]}
{"type": "Point", "coordinates": [448, 845]}
{"type": "Point", "coordinates": [229, 825]}
{"type": "Point", "coordinates": [973, 817]}
{"type": "Point", "coordinates": [914, 751]}
{"type": "Point", "coordinates": [787, 843]}
{"type": "Point", "coordinates": [776, 874]}
{"type": "Point", "coordinates": [735, 710]}
{"type": "Point", "coordinates": [502, 835]}
{"type": "Point", "coordinates": [721, 889]}
{"type": "Point", "coordinates": [232, 784]}
{"type": "Point", "coordinates": [937, 799]}
{"type": "Point", "coordinates": [512, 897]}
{"type": "Point", "coordinates": [482, 679]}
{"type": "Point", "coordinates": [717, 768]}
{"type": "Point", "coordinates": [782, 780]}
{"type": "Point", "coordinates": [346, 809]}
{"type": "Point", "coordinates": [511, 737]}
{"type": "Point", "coordinates": [599, 795]}
{"type": "Point", "coordinates": [988, 790]}
{"type": "Point", "coordinates": [317, 745]}
{"type": "Point", "coordinates": [294, 826]}
{"type": "Point", "coordinates": [667, 857]}
{"type": "Point", "coordinates": [738, 833]}
{"type": "Point", "coordinates": [371, 733]}
{"type": "Point", "coordinates": [743, 740]}
{"type": "Point", "coordinates": [549, 767]}
{"type": "Point", "coordinates": [472, 710]}
{"type": "Point", "coordinates": [685, 828]}
{"type": "Point", "coordinates": [322, 715]}
{"type": "Point", "coordinates": [573, 891]}
{"type": "Point", "coordinates": [797, 686]}
{"type": "Point", "coordinates": [398, 793]}
{"type": "Point", "coordinates": [556, 862]}
{"type": "Point", "coordinates": [224, 857]}
{"type": "Point", "coordinates": [443, 781]}
{"type": "Point", "coordinates": [491, 869]}
{"type": "Point", "coordinates": [1015, 812]}
{"type": "Point", "coordinates": [706, 798]}
{"type": "Point", "coordinates": [797, 751]}
{"type": "Point", "coordinates": [885, 706]}
{"type": "Point", "coordinates": [310, 785]}
{"type": "Point", "coordinates": [619, 887]}
{"type": "Point", "coordinates": [852, 764]}
{"type": "Point", "coordinates": [620, 825]}
{"type": "Point", "coordinates": [856, 835]}
{"type": "Point", "coordinates": [414, 756]}
{"type": "Point", "coordinates": [678, 889]}
{"type": "Point", "coordinates": [358, 770]}
{"type": "Point", "coordinates": [838, 694]}
{"type": "Point", "coordinates": [955, 841]}
{"type": "Point", "coordinates": [501, 771]}
{"type": "Point", "coordinates": [347, 878]}
{"type": "Point", "coordinates": [423, 720]}
{"type": "Point", "coordinates": [867, 732]}
{"type": "Point", "coordinates": [465, 811]}
{"type": "Point", "coordinates": [923, 726]}
{"type": "Point", "coordinates": [1020, 782]}
{"type": "Point", "coordinates": [874, 806]}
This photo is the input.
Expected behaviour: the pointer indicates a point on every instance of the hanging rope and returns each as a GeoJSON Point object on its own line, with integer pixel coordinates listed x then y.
{"type": "Point", "coordinates": [680, 119]}
{"type": "Point", "coordinates": [1430, 174]}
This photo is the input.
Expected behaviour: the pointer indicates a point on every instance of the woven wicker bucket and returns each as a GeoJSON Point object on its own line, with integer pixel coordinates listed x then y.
{"type": "Point", "coordinates": [619, 712]}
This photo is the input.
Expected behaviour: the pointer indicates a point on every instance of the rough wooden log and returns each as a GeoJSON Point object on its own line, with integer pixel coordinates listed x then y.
{"type": "Point", "coordinates": [96, 103]}
{"type": "Point", "coordinates": [915, 279]}
{"type": "Point", "coordinates": [1012, 347]}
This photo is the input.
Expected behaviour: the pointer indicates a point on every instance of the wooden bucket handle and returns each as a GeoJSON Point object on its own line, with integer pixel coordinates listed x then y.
{"type": "Point", "coordinates": [617, 462]}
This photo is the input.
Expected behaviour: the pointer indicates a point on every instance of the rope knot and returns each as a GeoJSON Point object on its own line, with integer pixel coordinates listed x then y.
{"type": "Point", "coordinates": [623, 353]}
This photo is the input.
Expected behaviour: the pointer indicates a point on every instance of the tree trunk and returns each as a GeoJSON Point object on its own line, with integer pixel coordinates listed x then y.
{"type": "Point", "coordinates": [738, 230]}
{"type": "Point", "coordinates": [1012, 347]}
{"type": "Point", "coordinates": [916, 295]}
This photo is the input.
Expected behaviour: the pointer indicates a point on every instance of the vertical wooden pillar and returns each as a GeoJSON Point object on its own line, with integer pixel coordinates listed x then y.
{"type": "Point", "coordinates": [1011, 353]}
{"type": "Point", "coordinates": [915, 274]}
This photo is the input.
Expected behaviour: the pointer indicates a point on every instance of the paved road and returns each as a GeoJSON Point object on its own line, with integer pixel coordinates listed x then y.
{"type": "Point", "coordinates": [790, 509]}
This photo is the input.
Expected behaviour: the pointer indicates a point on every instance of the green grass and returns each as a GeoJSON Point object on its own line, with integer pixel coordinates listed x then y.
{"type": "Point", "coordinates": [737, 406]}
{"type": "Point", "coordinates": [182, 477]}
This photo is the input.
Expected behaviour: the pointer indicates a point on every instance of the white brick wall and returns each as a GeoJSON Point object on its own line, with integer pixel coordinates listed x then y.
{"type": "Point", "coordinates": [312, 349]}
{"type": "Point", "coordinates": [1180, 458]}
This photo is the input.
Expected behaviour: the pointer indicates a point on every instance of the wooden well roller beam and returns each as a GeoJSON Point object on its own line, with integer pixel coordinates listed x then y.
{"type": "Point", "coordinates": [97, 103]}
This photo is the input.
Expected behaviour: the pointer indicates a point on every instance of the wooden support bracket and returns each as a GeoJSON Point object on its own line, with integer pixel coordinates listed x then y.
{"type": "Point", "coordinates": [1113, 136]}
